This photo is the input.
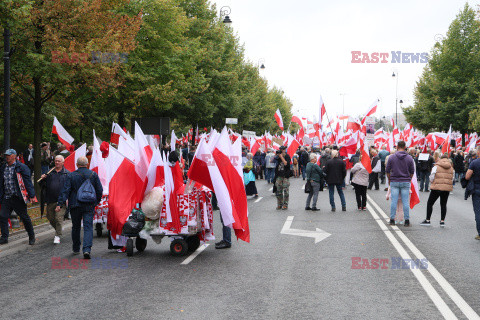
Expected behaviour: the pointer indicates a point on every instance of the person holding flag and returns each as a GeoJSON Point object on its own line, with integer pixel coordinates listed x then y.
{"type": "Point", "coordinates": [400, 170]}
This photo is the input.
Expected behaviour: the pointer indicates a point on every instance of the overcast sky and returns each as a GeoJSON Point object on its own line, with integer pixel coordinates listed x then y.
{"type": "Point", "coordinates": [307, 45]}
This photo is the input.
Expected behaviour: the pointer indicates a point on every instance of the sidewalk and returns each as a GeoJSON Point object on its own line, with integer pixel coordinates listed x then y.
{"type": "Point", "coordinates": [19, 241]}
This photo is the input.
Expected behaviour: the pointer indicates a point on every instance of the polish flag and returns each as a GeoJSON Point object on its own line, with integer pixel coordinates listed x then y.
{"type": "Point", "coordinates": [71, 161]}
{"type": "Point", "coordinates": [122, 195]}
{"type": "Point", "coordinates": [370, 111]}
{"type": "Point", "coordinates": [323, 111]}
{"type": "Point", "coordinates": [155, 173]}
{"type": "Point", "coordinates": [414, 198]}
{"type": "Point", "coordinates": [298, 120]}
{"type": "Point", "coordinates": [278, 117]}
{"type": "Point", "coordinates": [65, 138]}
{"type": "Point", "coordinates": [446, 144]}
{"type": "Point", "coordinates": [143, 155]}
{"type": "Point", "coordinates": [292, 146]}
{"type": "Point", "coordinates": [205, 169]}
{"type": "Point", "coordinates": [97, 164]}
{"type": "Point", "coordinates": [471, 145]}
{"type": "Point", "coordinates": [353, 124]}
{"type": "Point", "coordinates": [255, 145]}
{"type": "Point", "coordinates": [350, 147]}
{"type": "Point", "coordinates": [118, 132]}
{"type": "Point", "coordinates": [366, 161]}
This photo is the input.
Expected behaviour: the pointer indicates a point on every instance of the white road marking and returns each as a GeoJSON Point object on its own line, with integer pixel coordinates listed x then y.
{"type": "Point", "coordinates": [270, 189]}
{"type": "Point", "coordinates": [452, 293]}
{"type": "Point", "coordinates": [259, 198]}
{"type": "Point", "coordinates": [195, 254]}
{"type": "Point", "coordinates": [318, 234]}
{"type": "Point", "coordinates": [427, 286]}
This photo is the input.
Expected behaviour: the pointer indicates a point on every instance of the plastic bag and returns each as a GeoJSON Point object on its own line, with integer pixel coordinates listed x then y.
{"type": "Point", "coordinates": [135, 222]}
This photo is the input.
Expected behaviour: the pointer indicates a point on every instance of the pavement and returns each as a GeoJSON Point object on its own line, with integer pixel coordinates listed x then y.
{"type": "Point", "coordinates": [278, 275]}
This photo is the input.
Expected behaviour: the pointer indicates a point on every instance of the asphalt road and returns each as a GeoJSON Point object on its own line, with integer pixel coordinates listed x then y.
{"type": "Point", "coordinates": [276, 276]}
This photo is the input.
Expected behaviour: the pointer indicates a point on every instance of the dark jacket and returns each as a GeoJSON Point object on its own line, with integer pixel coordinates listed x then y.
{"type": "Point", "coordinates": [72, 184]}
{"type": "Point", "coordinates": [314, 172]}
{"type": "Point", "coordinates": [54, 184]}
{"type": "Point", "coordinates": [458, 163]}
{"type": "Point", "coordinates": [27, 180]}
{"type": "Point", "coordinates": [287, 173]}
{"type": "Point", "coordinates": [258, 160]}
{"type": "Point", "coordinates": [335, 170]}
{"type": "Point", "coordinates": [303, 158]}
{"type": "Point", "coordinates": [324, 159]}
{"type": "Point", "coordinates": [425, 165]}
{"type": "Point", "coordinates": [25, 156]}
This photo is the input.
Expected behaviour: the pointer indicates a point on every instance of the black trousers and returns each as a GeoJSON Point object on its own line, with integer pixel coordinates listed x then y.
{"type": "Point", "coordinates": [382, 173]}
{"type": "Point", "coordinates": [373, 179]}
{"type": "Point", "coordinates": [432, 198]}
{"type": "Point", "coordinates": [20, 207]}
{"type": "Point", "coordinates": [361, 195]}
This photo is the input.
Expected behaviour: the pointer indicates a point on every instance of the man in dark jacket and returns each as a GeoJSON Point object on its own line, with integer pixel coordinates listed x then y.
{"type": "Point", "coordinates": [336, 171]}
{"type": "Point", "coordinates": [303, 160]}
{"type": "Point", "coordinates": [16, 190]}
{"type": "Point", "coordinates": [54, 182]}
{"type": "Point", "coordinates": [424, 168]}
{"type": "Point", "coordinates": [80, 210]}
{"type": "Point", "coordinates": [28, 156]}
{"type": "Point", "coordinates": [282, 174]}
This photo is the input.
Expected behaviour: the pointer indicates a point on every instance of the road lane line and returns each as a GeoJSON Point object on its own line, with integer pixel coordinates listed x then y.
{"type": "Point", "coordinates": [195, 254]}
{"type": "Point", "coordinates": [426, 285]}
{"type": "Point", "coordinates": [258, 200]}
{"type": "Point", "coordinates": [287, 224]}
{"type": "Point", "coordinates": [446, 286]}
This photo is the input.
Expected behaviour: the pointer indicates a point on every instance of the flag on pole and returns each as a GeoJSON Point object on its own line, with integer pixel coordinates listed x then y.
{"type": "Point", "coordinates": [278, 117]}
{"type": "Point", "coordinates": [323, 111]}
{"type": "Point", "coordinates": [71, 161]}
{"type": "Point", "coordinates": [65, 138]}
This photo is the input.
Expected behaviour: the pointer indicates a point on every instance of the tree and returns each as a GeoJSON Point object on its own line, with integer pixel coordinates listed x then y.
{"type": "Point", "coordinates": [447, 92]}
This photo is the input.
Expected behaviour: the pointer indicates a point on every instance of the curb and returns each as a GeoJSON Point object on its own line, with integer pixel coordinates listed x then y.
{"type": "Point", "coordinates": [22, 244]}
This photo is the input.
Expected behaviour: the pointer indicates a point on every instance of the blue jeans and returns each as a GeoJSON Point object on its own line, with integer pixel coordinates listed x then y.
{"type": "Point", "coordinates": [476, 209]}
{"type": "Point", "coordinates": [331, 192]}
{"type": "Point", "coordinates": [424, 179]}
{"type": "Point", "coordinates": [270, 173]}
{"type": "Point", "coordinates": [403, 189]}
{"type": "Point", "coordinates": [85, 213]}
{"type": "Point", "coordinates": [302, 167]}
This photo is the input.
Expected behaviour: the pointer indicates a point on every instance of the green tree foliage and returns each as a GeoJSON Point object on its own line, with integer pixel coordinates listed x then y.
{"type": "Point", "coordinates": [447, 92]}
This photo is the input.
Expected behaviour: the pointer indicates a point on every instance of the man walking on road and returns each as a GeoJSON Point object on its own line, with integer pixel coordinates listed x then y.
{"type": "Point", "coordinates": [400, 169]}
{"type": "Point", "coordinates": [336, 171]}
{"type": "Point", "coordinates": [80, 210]}
{"type": "Point", "coordinates": [16, 190]}
{"type": "Point", "coordinates": [54, 182]}
{"type": "Point", "coordinates": [282, 174]}
{"type": "Point", "coordinates": [473, 173]}
{"type": "Point", "coordinates": [383, 154]}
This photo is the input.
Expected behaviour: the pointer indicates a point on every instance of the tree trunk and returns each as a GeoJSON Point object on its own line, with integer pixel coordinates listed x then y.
{"type": "Point", "coordinates": [121, 119]}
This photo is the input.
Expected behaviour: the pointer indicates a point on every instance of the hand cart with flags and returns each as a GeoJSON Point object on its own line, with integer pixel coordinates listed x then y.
{"type": "Point", "coordinates": [192, 226]}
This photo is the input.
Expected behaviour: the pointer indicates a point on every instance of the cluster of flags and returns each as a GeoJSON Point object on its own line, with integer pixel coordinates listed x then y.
{"type": "Point", "coordinates": [136, 165]}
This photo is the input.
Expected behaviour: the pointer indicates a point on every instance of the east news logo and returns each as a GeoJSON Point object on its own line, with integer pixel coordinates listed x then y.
{"type": "Point", "coordinates": [383, 57]}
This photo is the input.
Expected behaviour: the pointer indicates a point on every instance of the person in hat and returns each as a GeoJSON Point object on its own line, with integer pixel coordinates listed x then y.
{"type": "Point", "coordinates": [282, 174]}
{"type": "Point", "coordinates": [16, 190]}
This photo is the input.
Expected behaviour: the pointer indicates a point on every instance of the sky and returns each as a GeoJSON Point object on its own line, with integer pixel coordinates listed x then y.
{"type": "Point", "coordinates": [307, 45]}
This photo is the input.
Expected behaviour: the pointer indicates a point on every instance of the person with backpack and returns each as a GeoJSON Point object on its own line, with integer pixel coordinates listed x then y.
{"type": "Point", "coordinates": [83, 191]}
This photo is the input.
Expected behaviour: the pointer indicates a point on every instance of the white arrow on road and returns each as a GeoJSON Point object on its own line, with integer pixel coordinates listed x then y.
{"type": "Point", "coordinates": [318, 234]}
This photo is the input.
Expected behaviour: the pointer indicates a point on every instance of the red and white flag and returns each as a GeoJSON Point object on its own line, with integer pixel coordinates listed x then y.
{"type": "Point", "coordinates": [71, 161]}
{"type": "Point", "coordinates": [278, 117]}
{"type": "Point", "coordinates": [414, 198]}
{"type": "Point", "coordinates": [292, 145]}
{"type": "Point", "coordinates": [366, 161]}
{"type": "Point", "coordinates": [322, 112]}
{"type": "Point", "coordinates": [97, 164]}
{"type": "Point", "coordinates": [122, 196]}
{"type": "Point", "coordinates": [350, 147]}
{"type": "Point", "coordinates": [65, 138]}
{"type": "Point", "coordinates": [143, 155]}
{"type": "Point", "coordinates": [155, 173]}
{"type": "Point", "coordinates": [371, 110]}
{"type": "Point", "coordinates": [446, 143]}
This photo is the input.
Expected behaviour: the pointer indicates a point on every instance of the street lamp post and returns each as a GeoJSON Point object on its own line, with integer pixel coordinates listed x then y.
{"type": "Point", "coordinates": [395, 75]}
{"type": "Point", "coordinates": [261, 63]}
{"type": "Point", "coordinates": [6, 96]}
{"type": "Point", "coordinates": [224, 12]}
